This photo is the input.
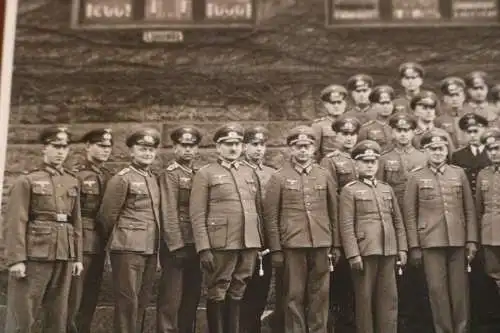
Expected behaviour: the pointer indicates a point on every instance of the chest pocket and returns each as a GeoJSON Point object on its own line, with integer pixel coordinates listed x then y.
{"type": "Point", "coordinates": [139, 195]}
{"type": "Point", "coordinates": [376, 135]}
{"type": "Point", "coordinates": [392, 166]}
{"type": "Point", "coordinates": [426, 189]}
{"type": "Point", "coordinates": [90, 187]}
{"type": "Point", "coordinates": [292, 185]}
{"type": "Point", "coordinates": [485, 186]}
{"type": "Point", "coordinates": [448, 127]}
{"type": "Point", "coordinates": [387, 200]}
{"type": "Point", "coordinates": [90, 195]}
{"type": "Point", "coordinates": [252, 185]}
{"type": "Point", "coordinates": [185, 183]}
{"type": "Point", "coordinates": [42, 194]}
{"type": "Point", "coordinates": [456, 189]}
{"type": "Point", "coordinates": [365, 203]}
{"type": "Point", "coordinates": [221, 187]}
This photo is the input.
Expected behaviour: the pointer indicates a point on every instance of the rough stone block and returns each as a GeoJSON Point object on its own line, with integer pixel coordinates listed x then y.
{"type": "Point", "coordinates": [97, 112]}
{"type": "Point", "coordinates": [195, 112]}
{"type": "Point", "coordinates": [39, 114]}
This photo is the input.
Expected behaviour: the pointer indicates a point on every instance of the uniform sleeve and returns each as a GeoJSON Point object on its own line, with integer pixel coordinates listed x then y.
{"type": "Point", "coordinates": [170, 227]}
{"type": "Point", "coordinates": [317, 134]}
{"type": "Point", "coordinates": [332, 202]}
{"type": "Point", "coordinates": [479, 199]}
{"type": "Point", "coordinates": [450, 140]}
{"type": "Point", "coordinates": [398, 224]}
{"type": "Point", "coordinates": [272, 207]}
{"type": "Point", "coordinates": [328, 164]}
{"type": "Point", "coordinates": [76, 221]}
{"type": "Point", "coordinates": [259, 206]}
{"type": "Point", "coordinates": [16, 220]}
{"type": "Point", "coordinates": [112, 203]}
{"type": "Point", "coordinates": [469, 210]}
{"type": "Point", "coordinates": [198, 211]}
{"type": "Point", "coordinates": [381, 170]}
{"type": "Point", "coordinates": [410, 212]}
{"type": "Point", "coordinates": [363, 133]}
{"type": "Point", "coordinates": [347, 213]}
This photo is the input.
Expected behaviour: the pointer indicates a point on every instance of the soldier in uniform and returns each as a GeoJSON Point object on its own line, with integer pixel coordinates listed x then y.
{"type": "Point", "coordinates": [373, 236]}
{"type": "Point", "coordinates": [225, 210]}
{"type": "Point", "coordinates": [495, 98]}
{"type": "Point", "coordinates": [382, 108]}
{"type": "Point", "coordinates": [442, 232]}
{"type": "Point", "coordinates": [334, 100]}
{"type": "Point", "coordinates": [255, 298]}
{"type": "Point", "coordinates": [477, 94]}
{"type": "Point", "coordinates": [360, 88]}
{"type": "Point", "coordinates": [452, 109]}
{"type": "Point", "coordinates": [180, 282]}
{"type": "Point", "coordinates": [43, 240]}
{"type": "Point", "coordinates": [92, 176]}
{"type": "Point", "coordinates": [342, 169]}
{"type": "Point", "coordinates": [411, 78]}
{"type": "Point", "coordinates": [130, 217]}
{"type": "Point", "coordinates": [301, 228]}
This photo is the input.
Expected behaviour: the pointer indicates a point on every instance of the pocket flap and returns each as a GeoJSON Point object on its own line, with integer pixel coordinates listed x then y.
{"type": "Point", "coordinates": [88, 225]}
{"type": "Point", "coordinates": [40, 230]}
{"type": "Point", "coordinates": [217, 221]}
{"type": "Point", "coordinates": [138, 188]}
{"type": "Point", "coordinates": [361, 235]}
{"type": "Point", "coordinates": [133, 226]}
{"type": "Point", "coordinates": [320, 187]}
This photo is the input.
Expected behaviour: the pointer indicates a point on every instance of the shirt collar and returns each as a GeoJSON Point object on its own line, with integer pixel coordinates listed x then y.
{"type": "Point", "coordinates": [425, 127]}
{"type": "Point", "coordinates": [141, 171]}
{"type": "Point", "coordinates": [496, 167]}
{"type": "Point", "coordinates": [438, 169]}
{"type": "Point", "coordinates": [254, 165]}
{"type": "Point", "coordinates": [52, 170]}
{"type": "Point", "coordinates": [404, 150]}
{"type": "Point", "coordinates": [184, 167]}
{"type": "Point", "coordinates": [302, 168]}
{"type": "Point", "coordinates": [94, 167]}
{"type": "Point", "coordinates": [229, 164]}
{"type": "Point", "coordinates": [370, 181]}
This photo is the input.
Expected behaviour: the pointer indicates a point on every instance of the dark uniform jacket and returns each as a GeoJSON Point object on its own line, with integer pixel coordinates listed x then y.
{"type": "Point", "coordinates": [42, 220]}
{"type": "Point", "coordinates": [225, 207]}
{"type": "Point", "coordinates": [465, 159]}
{"type": "Point", "coordinates": [370, 220]}
{"type": "Point", "coordinates": [341, 167]}
{"type": "Point", "coordinates": [264, 174]}
{"type": "Point", "coordinates": [377, 131]}
{"type": "Point", "coordinates": [363, 116]}
{"type": "Point", "coordinates": [448, 120]}
{"type": "Point", "coordinates": [92, 185]}
{"type": "Point", "coordinates": [488, 205]}
{"type": "Point", "coordinates": [130, 212]}
{"type": "Point", "coordinates": [301, 209]}
{"type": "Point", "coordinates": [439, 208]}
{"type": "Point", "coordinates": [175, 187]}
{"type": "Point", "coordinates": [325, 136]}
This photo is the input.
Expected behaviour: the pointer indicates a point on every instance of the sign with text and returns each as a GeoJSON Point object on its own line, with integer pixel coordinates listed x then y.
{"type": "Point", "coordinates": [172, 14]}
{"type": "Point", "coordinates": [403, 13]}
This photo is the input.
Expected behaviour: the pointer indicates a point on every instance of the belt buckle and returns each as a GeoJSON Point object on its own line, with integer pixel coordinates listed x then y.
{"type": "Point", "coordinates": [61, 217]}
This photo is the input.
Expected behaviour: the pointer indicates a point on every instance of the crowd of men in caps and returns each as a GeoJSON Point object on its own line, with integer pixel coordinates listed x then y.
{"type": "Point", "coordinates": [382, 198]}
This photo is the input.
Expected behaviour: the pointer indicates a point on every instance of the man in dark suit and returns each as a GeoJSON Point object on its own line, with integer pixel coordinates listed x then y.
{"type": "Point", "coordinates": [473, 158]}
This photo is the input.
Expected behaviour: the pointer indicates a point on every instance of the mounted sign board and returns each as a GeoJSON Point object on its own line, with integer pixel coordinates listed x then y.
{"type": "Point", "coordinates": [411, 13]}
{"type": "Point", "coordinates": [173, 14]}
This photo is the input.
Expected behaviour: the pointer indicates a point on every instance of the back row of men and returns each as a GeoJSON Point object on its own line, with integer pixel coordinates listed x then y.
{"type": "Point", "coordinates": [320, 224]}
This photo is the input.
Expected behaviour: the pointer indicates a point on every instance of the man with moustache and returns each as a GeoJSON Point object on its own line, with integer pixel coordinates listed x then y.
{"type": "Point", "coordinates": [373, 236]}
{"type": "Point", "coordinates": [130, 217]}
{"type": "Point", "coordinates": [341, 167]}
{"type": "Point", "coordinates": [255, 298]}
{"type": "Point", "coordinates": [92, 176]}
{"type": "Point", "coordinates": [411, 78]}
{"type": "Point", "coordinates": [442, 232]}
{"type": "Point", "coordinates": [43, 239]}
{"type": "Point", "coordinates": [225, 211]}
{"type": "Point", "coordinates": [477, 96]}
{"type": "Point", "coordinates": [302, 232]}
{"type": "Point", "coordinates": [360, 88]}
{"type": "Point", "coordinates": [180, 282]}
{"type": "Point", "coordinates": [452, 109]}
{"type": "Point", "coordinates": [334, 101]}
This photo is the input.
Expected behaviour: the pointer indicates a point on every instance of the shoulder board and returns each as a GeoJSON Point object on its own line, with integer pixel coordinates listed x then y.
{"type": "Point", "coordinates": [123, 171]}
{"type": "Point", "coordinates": [369, 122]}
{"type": "Point", "coordinates": [387, 151]}
{"type": "Point", "coordinates": [352, 182]}
{"type": "Point", "coordinates": [172, 167]}
{"type": "Point", "coordinates": [319, 166]}
{"type": "Point", "coordinates": [417, 168]}
{"type": "Point", "coordinates": [332, 153]}
{"type": "Point", "coordinates": [319, 119]}
{"type": "Point", "coordinates": [454, 166]}
{"type": "Point", "coordinates": [27, 172]}
{"type": "Point", "coordinates": [71, 172]}
{"type": "Point", "coordinates": [203, 167]}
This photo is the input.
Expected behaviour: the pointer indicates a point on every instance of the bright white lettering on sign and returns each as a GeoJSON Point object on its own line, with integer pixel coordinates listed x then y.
{"type": "Point", "coordinates": [94, 10]}
{"type": "Point", "coordinates": [231, 11]}
{"type": "Point", "coordinates": [358, 14]}
{"type": "Point", "coordinates": [473, 9]}
{"type": "Point", "coordinates": [168, 9]}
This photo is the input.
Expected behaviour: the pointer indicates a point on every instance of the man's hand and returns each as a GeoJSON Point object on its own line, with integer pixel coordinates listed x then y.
{"type": "Point", "coordinates": [77, 269]}
{"type": "Point", "coordinates": [402, 258]}
{"type": "Point", "coordinates": [207, 260]}
{"type": "Point", "coordinates": [470, 251]}
{"type": "Point", "coordinates": [277, 259]}
{"type": "Point", "coordinates": [416, 256]}
{"type": "Point", "coordinates": [18, 270]}
{"type": "Point", "coordinates": [336, 255]}
{"type": "Point", "coordinates": [356, 263]}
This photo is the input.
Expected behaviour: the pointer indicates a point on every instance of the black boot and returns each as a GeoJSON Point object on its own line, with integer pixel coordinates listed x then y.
{"type": "Point", "coordinates": [233, 315]}
{"type": "Point", "coordinates": [215, 316]}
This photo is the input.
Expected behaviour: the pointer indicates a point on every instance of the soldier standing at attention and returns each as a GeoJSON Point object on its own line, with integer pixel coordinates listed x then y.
{"type": "Point", "coordinates": [359, 87]}
{"type": "Point", "coordinates": [477, 96]}
{"type": "Point", "coordinates": [452, 109]}
{"type": "Point", "coordinates": [92, 176]}
{"type": "Point", "coordinates": [334, 101]}
{"type": "Point", "coordinates": [130, 217]}
{"type": "Point", "coordinates": [342, 169]}
{"type": "Point", "coordinates": [43, 240]}
{"type": "Point", "coordinates": [225, 210]}
{"type": "Point", "coordinates": [442, 232]}
{"type": "Point", "coordinates": [373, 236]}
{"type": "Point", "coordinates": [301, 228]}
{"type": "Point", "coordinates": [255, 298]}
{"type": "Point", "coordinates": [411, 78]}
{"type": "Point", "coordinates": [180, 283]}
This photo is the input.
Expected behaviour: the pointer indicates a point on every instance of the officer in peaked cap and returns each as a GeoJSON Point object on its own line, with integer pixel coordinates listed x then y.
{"type": "Point", "coordinates": [452, 108]}
{"type": "Point", "coordinates": [452, 85]}
{"type": "Point", "coordinates": [92, 176]}
{"type": "Point", "coordinates": [334, 101]}
{"type": "Point", "coordinates": [360, 87]}
{"type": "Point", "coordinates": [477, 96]}
{"type": "Point", "coordinates": [372, 260]}
{"type": "Point", "coordinates": [411, 78]}
{"type": "Point", "coordinates": [228, 133]}
{"type": "Point", "coordinates": [300, 135]}
{"type": "Point", "coordinates": [144, 137]}
{"type": "Point", "coordinates": [43, 230]}
{"type": "Point", "coordinates": [411, 69]}
{"type": "Point", "coordinates": [180, 281]}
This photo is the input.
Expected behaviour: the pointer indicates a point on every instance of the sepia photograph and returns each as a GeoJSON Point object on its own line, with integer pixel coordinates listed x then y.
{"type": "Point", "coordinates": [250, 166]}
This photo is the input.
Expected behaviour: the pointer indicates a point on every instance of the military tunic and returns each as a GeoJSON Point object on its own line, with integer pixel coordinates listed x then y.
{"type": "Point", "coordinates": [362, 115]}
{"type": "Point", "coordinates": [180, 282]}
{"type": "Point", "coordinates": [440, 219]}
{"type": "Point", "coordinates": [341, 167]}
{"type": "Point", "coordinates": [420, 131]}
{"type": "Point", "coordinates": [130, 217]}
{"type": "Point", "coordinates": [377, 131]}
{"type": "Point", "coordinates": [485, 109]}
{"type": "Point", "coordinates": [371, 227]}
{"type": "Point", "coordinates": [225, 211]}
{"type": "Point", "coordinates": [471, 163]}
{"type": "Point", "coordinates": [82, 303]}
{"type": "Point", "coordinates": [43, 229]}
{"type": "Point", "coordinates": [325, 136]}
{"type": "Point", "coordinates": [301, 220]}
{"type": "Point", "coordinates": [448, 121]}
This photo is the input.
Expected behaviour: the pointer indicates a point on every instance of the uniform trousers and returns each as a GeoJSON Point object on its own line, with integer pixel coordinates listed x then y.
{"type": "Point", "coordinates": [84, 294]}
{"type": "Point", "coordinates": [341, 296]}
{"type": "Point", "coordinates": [447, 281]}
{"type": "Point", "coordinates": [255, 298]}
{"type": "Point", "coordinates": [375, 295]}
{"type": "Point", "coordinates": [492, 261]}
{"type": "Point", "coordinates": [306, 289]}
{"type": "Point", "coordinates": [179, 294]}
{"type": "Point", "coordinates": [233, 269]}
{"type": "Point", "coordinates": [46, 284]}
{"type": "Point", "coordinates": [133, 277]}
{"type": "Point", "coordinates": [278, 316]}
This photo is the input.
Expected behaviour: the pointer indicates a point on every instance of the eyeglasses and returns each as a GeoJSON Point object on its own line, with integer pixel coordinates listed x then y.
{"type": "Point", "coordinates": [411, 77]}
{"type": "Point", "coordinates": [335, 102]}
{"type": "Point", "coordinates": [474, 131]}
{"type": "Point", "coordinates": [403, 130]}
{"type": "Point", "coordinates": [363, 90]}
{"type": "Point", "coordinates": [427, 106]}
